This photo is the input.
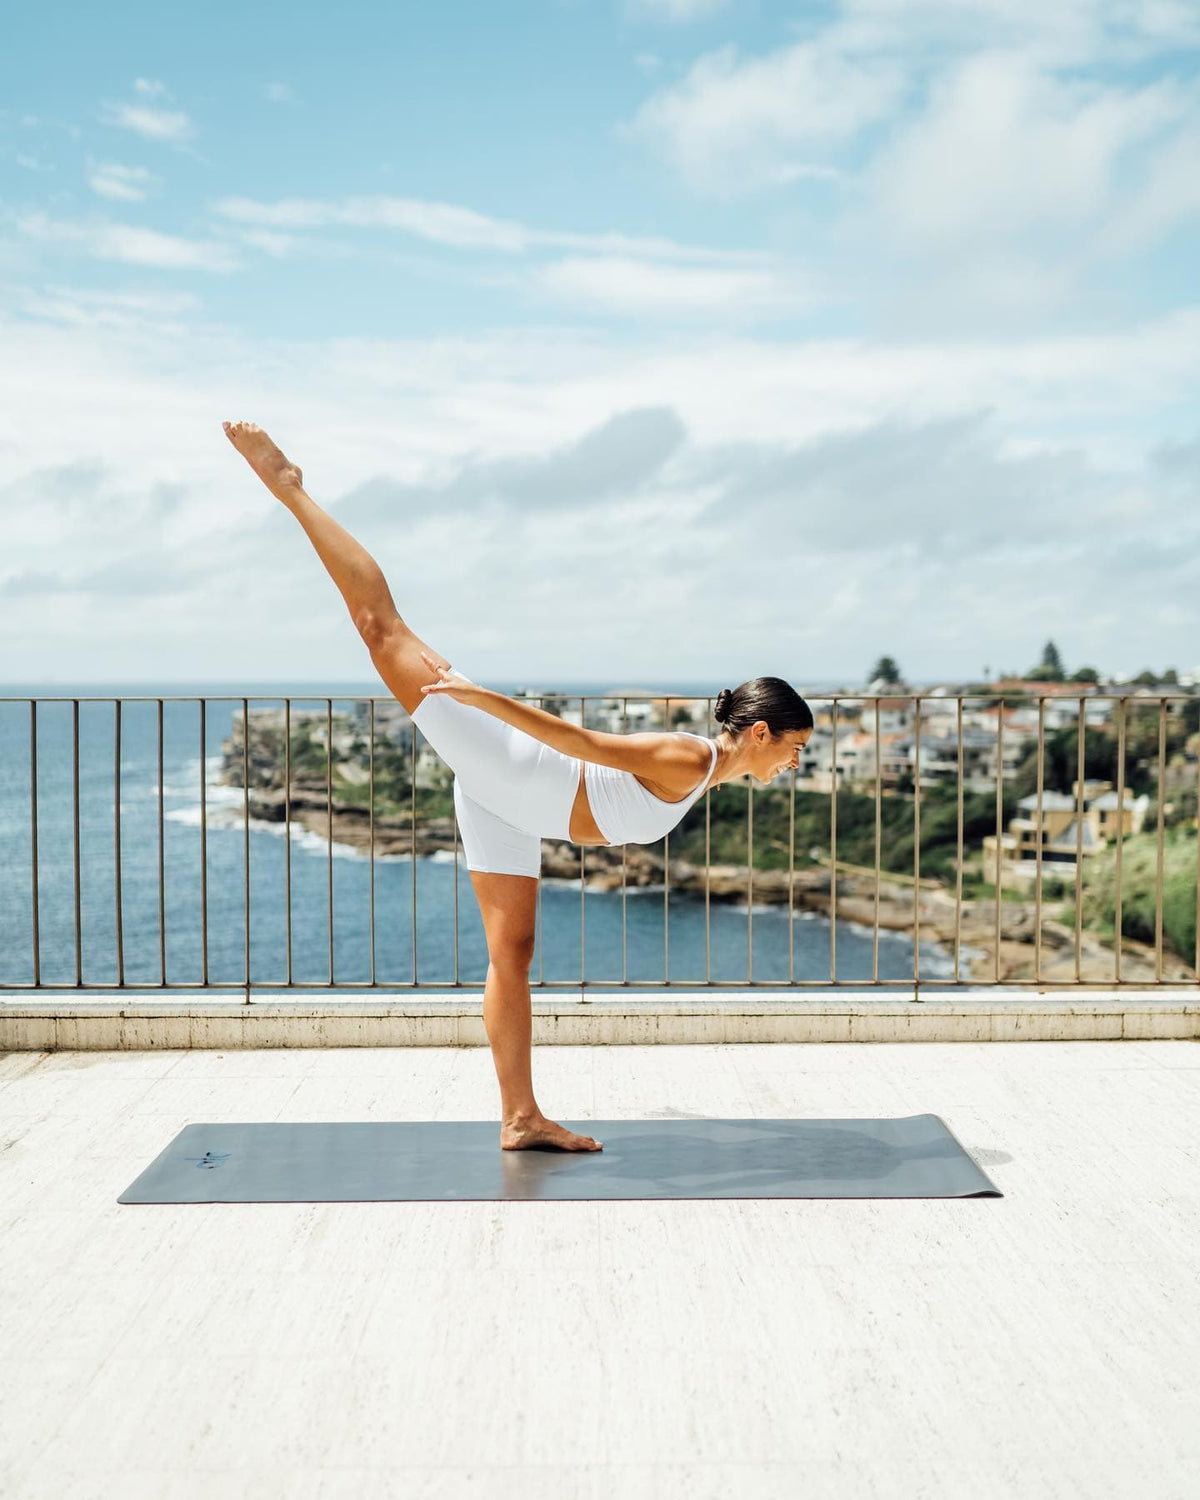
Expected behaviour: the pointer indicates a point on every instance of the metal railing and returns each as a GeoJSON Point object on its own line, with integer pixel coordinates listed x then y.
{"type": "Point", "coordinates": [833, 713]}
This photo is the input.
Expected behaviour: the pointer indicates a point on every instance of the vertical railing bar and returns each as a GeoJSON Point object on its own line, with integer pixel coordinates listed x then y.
{"type": "Point", "coordinates": [917, 849]}
{"type": "Point", "coordinates": [582, 877]}
{"type": "Point", "coordinates": [878, 844]}
{"type": "Point", "coordinates": [454, 826]}
{"type": "Point", "coordinates": [117, 835]}
{"type": "Point", "coordinates": [1158, 873]}
{"type": "Point", "coordinates": [709, 725]}
{"type": "Point", "coordinates": [371, 801]}
{"type": "Point", "coordinates": [667, 878]}
{"type": "Point", "coordinates": [246, 831]}
{"type": "Point", "coordinates": [203, 843]}
{"type": "Point", "coordinates": [1079, 770]}
{"type": "Point", "coordinates": [1118, 915]}
{"type": "Point", "coordinates": [958, 879]}
{"type": "Point", "coordinates": [287, 828]}
{"type": "Point", "coordinates": [792, 877]}
{"type": "Point", "coordinates": [1041, 838]}
{"type": "Point", "coordinates": [624, 873]}
{"type": "Point", "coordinates": [33, 832]}
{"type": "Point", "coordinates": [1196, 964]}
{"type": "Point", "coordinates": [76, 851]}
{"type": "Point", "coordinates": [329, 822]}
{"type": "Point", "coordinates": [833, 834]}
{"type": "Point", "coordinates": [162, 873]}
{"type": "Point", "coordinates": [749, 880]}
{"type": "Point", "coordinates": [999, 878]}
{"type": "Point", "coordinates": [541, 703]}
{"type": "Point", "coordinates": [412, 829]}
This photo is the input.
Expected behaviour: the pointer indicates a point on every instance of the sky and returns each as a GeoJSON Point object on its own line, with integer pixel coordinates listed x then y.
{"type": "Point", "coordinates": [640, 341]}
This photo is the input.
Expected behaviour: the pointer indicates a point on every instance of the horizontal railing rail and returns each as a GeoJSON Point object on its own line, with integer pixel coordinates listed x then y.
{"type": "Point", "coordinates": [945, 765]}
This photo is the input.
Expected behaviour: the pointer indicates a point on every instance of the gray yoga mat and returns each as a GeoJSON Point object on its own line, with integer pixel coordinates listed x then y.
{"type": "Point", "coordinates": [454, 1160]}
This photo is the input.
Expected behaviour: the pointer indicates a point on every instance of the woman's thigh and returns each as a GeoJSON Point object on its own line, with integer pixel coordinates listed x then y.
{"type": "Point", "coordinates": [520, 781]}
{"type": "Point", "coordinates": [396, 656]}
{"type": "Point", "coordinates": [508, 905]}
{"type": "Point", "coordinates": [507, 902]}
{"type": "Point", "coordinates": [492, 846]}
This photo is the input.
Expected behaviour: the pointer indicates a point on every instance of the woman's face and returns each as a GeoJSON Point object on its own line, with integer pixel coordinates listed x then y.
{"type": "Point", "coordinates": [771, 757]}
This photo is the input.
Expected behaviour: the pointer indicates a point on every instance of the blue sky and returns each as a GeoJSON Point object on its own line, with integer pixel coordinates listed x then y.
{"type": "Point", "coordinates": [641, 340]}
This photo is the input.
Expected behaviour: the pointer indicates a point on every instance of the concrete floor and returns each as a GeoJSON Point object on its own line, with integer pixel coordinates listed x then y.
{"type": "Point", "coordinates": [1043, 1344]}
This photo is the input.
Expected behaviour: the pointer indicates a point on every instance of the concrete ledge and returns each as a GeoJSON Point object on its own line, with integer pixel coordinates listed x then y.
{"type": "Point", "coordinates": [107, 1022]}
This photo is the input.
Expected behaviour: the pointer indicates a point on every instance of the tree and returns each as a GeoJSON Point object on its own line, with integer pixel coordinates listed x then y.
{"type": "Point", "coordinates": [1171, 677]}
{"type": "Point", "coordinates": [1050, 668]}
{"type": "Point", "coordinates": [1085, 674]}
{"type": "Point", "coordinates": [886, 669]}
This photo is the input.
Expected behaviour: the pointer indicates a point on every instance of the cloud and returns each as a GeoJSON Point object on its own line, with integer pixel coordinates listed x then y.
{"type": "Point", "coordinates": [125, 184]}
{"type": "Point", "coordinates": [675, 11]}
{"type": "Point", "coordinates": [278, 93]}
{"type": "Point", "coordinates": [623, 453]}
{"type": "Point", "coordinates": [150, 88]}
{"type": "Point", "coordinates": [947, 484]}
{"type": "Point", "coordinates": [464, 228]}
{"type": "Point", "coordinates": [444, 223]}
{"type": "Point", "coordinates": [609, 272]}
{"type": "Point", "coordinates": [32, 164]}
{"type": "Point", "coordinates": [732, 126]}
{"type": "Point", "coordinates": [130, 245]}
{"type": "Point", "coordinates": [1070, 33]}
{"type": "Point", "coordinates": [170, 125]}
{"type": "Point", "coordinates": [1167, 194]}
{"type": "Point", "coordinates": [277, 245]}
{"type": "Point", "coordinates": [83, 307]}
{"type": "Point", "coordinates": [1003, 149]}
{"type": "Point", "coordinates": [33, 583]}
{"type": "Point", "coordinates": [1027, 147]}
{"type": "Point", "coordinates": [622, 284]}
{"type": "Point", "coordinates": [952, 502]}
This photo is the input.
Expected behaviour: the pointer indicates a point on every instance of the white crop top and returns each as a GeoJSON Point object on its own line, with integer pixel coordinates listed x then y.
{"type": "Point", "coordinates": [625, 812]}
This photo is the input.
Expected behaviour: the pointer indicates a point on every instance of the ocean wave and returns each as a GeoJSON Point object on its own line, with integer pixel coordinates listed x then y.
{"type": "Point", "coordinates": [303, 839]}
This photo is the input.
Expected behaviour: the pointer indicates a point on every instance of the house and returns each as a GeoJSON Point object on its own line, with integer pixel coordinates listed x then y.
{"type": "Point", "coordinates": [895, 715]}
{"type": "Point", "coordinates": [1060, 835]}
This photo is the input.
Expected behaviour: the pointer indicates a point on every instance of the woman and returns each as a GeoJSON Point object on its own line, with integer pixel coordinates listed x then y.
{"type": "Point", "coordinates": [522, 775]}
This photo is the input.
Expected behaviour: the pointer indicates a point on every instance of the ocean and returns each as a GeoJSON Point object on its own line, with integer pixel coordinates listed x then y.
{"type": "Point", "coordinates": [602, 946]}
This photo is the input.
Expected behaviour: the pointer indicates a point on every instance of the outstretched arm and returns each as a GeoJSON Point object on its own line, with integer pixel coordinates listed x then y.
{"type": "Point", "coordinates": [668, 758]}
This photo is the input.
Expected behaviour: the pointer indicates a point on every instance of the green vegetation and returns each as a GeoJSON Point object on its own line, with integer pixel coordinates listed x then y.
{"type": "Point", "coordinates": [856, 828]}
{"type": "Point", "coordinates": [1050, 668]}
{"type": "Point", "coordinates": [1139, 867]}
{"type": "Point", "coordinates": [1100, 751]}
{"type": "Point", "coordinates": [886, 669]}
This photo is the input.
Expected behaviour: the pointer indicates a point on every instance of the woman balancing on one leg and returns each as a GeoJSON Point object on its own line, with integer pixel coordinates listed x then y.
{"type": "Point", "coordinates": [522, 775]}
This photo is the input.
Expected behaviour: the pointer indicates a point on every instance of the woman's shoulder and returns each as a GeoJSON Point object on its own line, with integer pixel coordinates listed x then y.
{"type": "Point", "coordinates": [691, 757]}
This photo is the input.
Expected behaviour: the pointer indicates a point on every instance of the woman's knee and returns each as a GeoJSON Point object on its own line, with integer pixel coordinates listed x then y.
{"type": "Point", "coordinates": [512, 948]}
{"type": "Point", "coordinates": [376, 627]}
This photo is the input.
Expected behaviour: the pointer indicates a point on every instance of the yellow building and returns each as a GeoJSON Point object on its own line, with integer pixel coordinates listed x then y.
{"type": "Point", "coordinates": [1104, 820]}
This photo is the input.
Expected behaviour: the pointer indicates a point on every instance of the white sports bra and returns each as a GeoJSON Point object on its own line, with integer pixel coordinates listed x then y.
{"type": "Point", "coordinates": [625, 812]}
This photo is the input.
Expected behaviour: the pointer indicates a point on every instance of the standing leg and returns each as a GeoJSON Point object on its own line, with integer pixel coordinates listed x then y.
{"type": "Point", "coordinates": [509, 907]}
{"type": "Point", "coordinates": [395, 650]}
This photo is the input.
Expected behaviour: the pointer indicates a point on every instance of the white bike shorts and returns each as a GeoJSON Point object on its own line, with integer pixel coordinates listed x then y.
{"type": "Point", "coordinates": [510, 790]}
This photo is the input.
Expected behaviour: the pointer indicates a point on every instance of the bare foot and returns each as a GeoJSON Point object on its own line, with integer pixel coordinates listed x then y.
{"type": "Point", "coordinates": [279, 475]}
{"type": "Point", "coordinates": [535, 1130]}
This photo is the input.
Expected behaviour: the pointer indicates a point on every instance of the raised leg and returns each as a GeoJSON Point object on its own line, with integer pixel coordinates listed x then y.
{"type": "Point", "coordinates": [395, 649]}
{"type": "Point", "coordinates": [508, 904]}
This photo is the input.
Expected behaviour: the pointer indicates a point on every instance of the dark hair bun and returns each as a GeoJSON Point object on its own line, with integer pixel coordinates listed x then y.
{"type": "Point", "coordinates": [768, 698]}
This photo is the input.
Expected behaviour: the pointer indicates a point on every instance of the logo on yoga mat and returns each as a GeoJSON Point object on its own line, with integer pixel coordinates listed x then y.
{"type": "Point", "coordinates": [211, 1159]}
